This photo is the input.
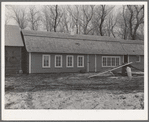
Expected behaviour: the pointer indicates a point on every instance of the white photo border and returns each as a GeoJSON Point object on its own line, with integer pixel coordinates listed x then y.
{"type": "Point", "coordinates": [75, 114]}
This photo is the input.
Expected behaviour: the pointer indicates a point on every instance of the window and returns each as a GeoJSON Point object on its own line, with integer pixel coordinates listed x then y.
{"type": "Point", "coordinates": [117, 61]}
{"type": "Point", "coordinates": [46, 61]}
{"type": "Point", "coordinates": [58, 60]}
{"type": "Point", "coordinates": [69, 61]}
{"type": "Point", "coordinates": [138, 58]}
{"type": "Point", "coordinates": [80, 61]}
{"type": "Point", "coordinates": [110, 61]}
{"type": "Point", "coordinates": [113, 61]}
{"type": "Point", "coordinates": [104, 61]}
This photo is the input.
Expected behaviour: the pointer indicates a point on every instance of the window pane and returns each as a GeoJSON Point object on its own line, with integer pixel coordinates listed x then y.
{"type": "Point", "coordinates": [104, 61]}
{"type": "Point", "coordinates": [58, 60]}
{"type": "Point", "coordinates": [109, 61]}
{"type": "Point", "coordinates": [69, 61]}
{"type": "Point", "coordinates": [80, 61]}
{"type": "Point", "coordinates": [45, 63]}
{"type": "Point", "coordinates": [46, 60]}
{"type": "Point", "coordinates": [117, 61]}
{"type": "Point", "coordinates": [113, 61]}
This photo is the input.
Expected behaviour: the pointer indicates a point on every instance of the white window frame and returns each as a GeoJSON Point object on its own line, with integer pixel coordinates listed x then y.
{"type": "Point", "coordinates": [55, 61]}
{"type": "Point", "coordinates": [82, 61]}
{"type": "Point", "coordinates": [111, 60]}
{"type": "Point", "coordinates": [67, 60]}
{"type": "Point", "coordinates": [139, 58]}
{"type": "Point", "coordinates": [43, 61]}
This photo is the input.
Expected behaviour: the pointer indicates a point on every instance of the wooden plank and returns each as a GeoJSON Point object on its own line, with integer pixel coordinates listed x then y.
{"type": "Point", "coordinates": [138, 73]}
{"type": "Point", "coordinates": [110, 70]}
{"type": "Point", "coordinates": [88, 63]}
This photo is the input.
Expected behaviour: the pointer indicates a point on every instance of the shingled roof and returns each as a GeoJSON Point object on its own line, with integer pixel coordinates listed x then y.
{"type": "Point", "coordinates": [47, 42]}
{"type": "Point", "coordinates": [13, 36]}
{"type": "Point", "coordinates": [68, 36]}
{"type": "Point", "coordinates": [134, 49]}
{"type": "Point", "coordinates": [141, 42]}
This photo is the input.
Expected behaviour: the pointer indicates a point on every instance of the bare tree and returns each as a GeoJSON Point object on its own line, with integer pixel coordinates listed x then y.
{"type": "Point", "coordinates": [131, 20]}
{"type": "Point", "coordinates": [52, 17]}
{"type": "Point", "coordinates": [7, 19]}
{"type": "Point", "coordinates": [46, 19]}
{"type": "Point", "coordinates": [99, 18]}
{"type": "Point", "coordinates": [88, 12]}
{"type": "Point", "coordinates": [81, 16]}
{"type": "Point", "coordinates": [65, 23]}
{"type": "Point", "coordinates": [125, 24]}
{"type": "Point", "coordinates": [19, 15]}
{"type": "Point", "coordinates": [7, 15]}
{"type": "Point", "coordinates": [123, 30]}
{"type": "Point", "coordinates": [110, 24]}
{"type": "Point", "coordinates": [140, 32]}
{"type": "Point", "coordinates": [34, 18]}
{"type": "Point", "coordinates": [135, 19]}
{"type": "Point", "coordinates": [75, 16]}
{"type": "Point", "coordinates": [56, 17]}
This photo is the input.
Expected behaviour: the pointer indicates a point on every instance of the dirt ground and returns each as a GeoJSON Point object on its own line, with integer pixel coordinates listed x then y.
{"type": "Point", "coordinates": [73, 91]}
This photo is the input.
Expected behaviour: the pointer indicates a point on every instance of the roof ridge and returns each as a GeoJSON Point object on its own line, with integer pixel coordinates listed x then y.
{"type": "Point", "coordinates": [71, 38]}
{"type": "Point", "coordinates": [68, 36]}
{"type": "Point", "coordinates": [60, 35]}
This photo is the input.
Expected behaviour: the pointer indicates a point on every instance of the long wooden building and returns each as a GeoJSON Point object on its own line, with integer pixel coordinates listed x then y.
{"type": "Point", "coordinates": [49, 52]}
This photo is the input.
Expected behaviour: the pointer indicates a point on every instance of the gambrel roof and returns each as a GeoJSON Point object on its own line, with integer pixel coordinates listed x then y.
{"type": "Point", "coordinates": [13, 36]}
{"type": "Point", "coordinates": [50, 42]}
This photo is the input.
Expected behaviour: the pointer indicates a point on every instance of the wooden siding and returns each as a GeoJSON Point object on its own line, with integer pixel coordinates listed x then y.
{"type": "Point", "coordinates": [92, 63]}
{"type": "Point", "coordinates": [139, 65]}
{"type": "Point", "coordinates": [25, 61]}
{"type": "Point", "coordinates": [36, 62]}
{"type": "Point", "coordinates": [12, 60]}
{"type": "Point", "coordinates": [36, 66]}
